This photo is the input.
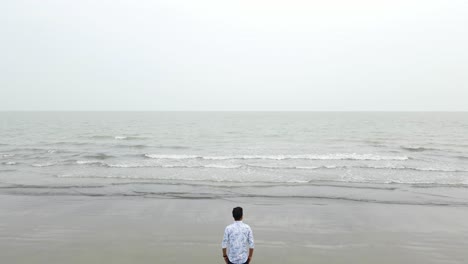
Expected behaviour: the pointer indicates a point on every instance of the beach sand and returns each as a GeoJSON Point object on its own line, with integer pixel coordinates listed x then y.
{"type": "Point", "coordinates": [77, 229]}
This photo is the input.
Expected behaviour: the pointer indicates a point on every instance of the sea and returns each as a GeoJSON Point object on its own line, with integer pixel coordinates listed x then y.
{"type": "Point", "coordinates": [418, 158]}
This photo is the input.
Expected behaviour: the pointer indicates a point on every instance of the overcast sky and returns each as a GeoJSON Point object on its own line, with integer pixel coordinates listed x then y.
{"type": "Point", "coordinates": [390, 55]}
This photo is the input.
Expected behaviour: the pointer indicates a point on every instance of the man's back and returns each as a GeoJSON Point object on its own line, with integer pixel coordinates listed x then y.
{"type": "Point", "coordinates": [238, 238]}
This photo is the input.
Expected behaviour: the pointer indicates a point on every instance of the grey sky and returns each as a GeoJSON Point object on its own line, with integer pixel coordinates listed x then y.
{"type": "Point", "coordinates": [234, 55]}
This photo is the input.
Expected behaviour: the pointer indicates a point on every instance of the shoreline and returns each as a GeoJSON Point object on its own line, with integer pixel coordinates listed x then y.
{"type": "Point", "coordinates": [79, 229]}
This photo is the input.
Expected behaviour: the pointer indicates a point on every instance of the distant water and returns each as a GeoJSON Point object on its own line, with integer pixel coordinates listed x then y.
{"type": "Point", "coordinates": [376, 157]}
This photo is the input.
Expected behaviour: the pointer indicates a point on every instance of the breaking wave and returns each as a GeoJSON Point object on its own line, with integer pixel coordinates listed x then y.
{"type": "Point", "coordinates": [99, 156]}
{"type": "Point", "coordinates": [416, 148]}
{"type": "Point", "coordinates": [87, 162]}
{"type": "Point", "coordinates": [47, 164]}
{"type": "Point", "coordinates": [118, 137]}
{"type": "Point", "coordinates": [258, 166]}
{"type": "Point", "coordinates": [339, 156]}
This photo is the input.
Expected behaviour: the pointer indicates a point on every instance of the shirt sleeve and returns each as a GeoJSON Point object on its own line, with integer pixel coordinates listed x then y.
{"type": "Point", "coordinates": [224, 243]}
{"type": "Point", "coordinates": [251, 239]}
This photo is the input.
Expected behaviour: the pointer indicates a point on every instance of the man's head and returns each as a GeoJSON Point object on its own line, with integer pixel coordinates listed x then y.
{"type": "Point", "coordinates": [237, 213]}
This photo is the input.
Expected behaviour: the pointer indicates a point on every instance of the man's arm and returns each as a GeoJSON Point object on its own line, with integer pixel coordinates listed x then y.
{"type": "Point", "coordinates": [251, 245]}
{"type": "Point", "coordinates": [250, 255]}
{"type": "Point", "coordinates": [224, 245]}
{"type": "Point", "coordinates": [226, 259]}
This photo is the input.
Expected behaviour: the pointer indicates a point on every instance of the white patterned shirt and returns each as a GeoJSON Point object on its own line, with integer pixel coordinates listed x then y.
{"type": "Point", "coordinates": [238, 238]}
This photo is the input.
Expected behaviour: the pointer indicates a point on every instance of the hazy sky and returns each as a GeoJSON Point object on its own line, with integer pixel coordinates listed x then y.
{"type": "Point", "coordinates": [234, 55]}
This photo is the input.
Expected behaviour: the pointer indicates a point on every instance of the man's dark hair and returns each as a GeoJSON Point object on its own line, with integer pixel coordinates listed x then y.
{"type": "Point", "coordinates": [237, 213]}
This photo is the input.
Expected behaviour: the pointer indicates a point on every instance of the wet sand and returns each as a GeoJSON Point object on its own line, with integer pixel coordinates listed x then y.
{"type": "Point", "coordinates": [79, 229]}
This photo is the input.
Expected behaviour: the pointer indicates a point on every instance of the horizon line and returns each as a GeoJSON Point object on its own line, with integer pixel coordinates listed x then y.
{"type": "Point", "coordinates": [383, 111]}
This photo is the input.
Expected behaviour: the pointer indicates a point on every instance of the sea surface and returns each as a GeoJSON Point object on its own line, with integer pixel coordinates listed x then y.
{"type": "Point", "coordinates": [375, 157]}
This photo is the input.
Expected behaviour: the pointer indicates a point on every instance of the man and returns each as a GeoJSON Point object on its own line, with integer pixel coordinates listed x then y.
{"type": "Point", "coordinates": [238, 238]}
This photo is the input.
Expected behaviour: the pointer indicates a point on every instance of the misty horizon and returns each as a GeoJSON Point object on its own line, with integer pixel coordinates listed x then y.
{"type": "Point", "coordinates": [209, 55]}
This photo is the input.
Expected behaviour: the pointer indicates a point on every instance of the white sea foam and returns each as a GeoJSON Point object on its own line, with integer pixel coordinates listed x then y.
{"type": "Point", "coordinates": [171, 166]}
{"type": "Point", "coordinates": [307, 167]}
{"type": "Point", "coordinates": [130, 165]}
{"type": "Point", "coordinates": [354, 167]}
{"type": "Point", "coordinates": [177, 157]}
{"type": "Point", "coordinates": [412, 168]}
{"type": "Point", "coordinates": [10, 163]}
{"type": "Point", "coordinates": [317, 167]}
{"type": "Point", "coordinates": [125, 165]}
{"type": "Point", "coordinates": [88, 162]}
{"type": "Point", "coordinates": [273, 167]}
{"type": "Point", "coordinates": [130, 137]}
{"type": "Point", "coordinates": [189, 165]}
{"type": "Point", "coordinates": [229, 178]}
{"type": "Point", "coordinates": [432, 169]}
{"type": "Point", "coordinates": [48, 164]}
{"type": "Point", "coordinates": [338, 156]}
{"type": "Point", "coordinates": [297, 181]}
{"type": "Point", "coordinates": [218, 166]}
{"type": "Point", "coordinates": [417, 148]}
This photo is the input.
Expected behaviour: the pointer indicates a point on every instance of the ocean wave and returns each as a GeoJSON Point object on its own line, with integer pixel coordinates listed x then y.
{"type": "Point", "coordinates": [90, 162]}
{"type": "Point", "coordinates": [354, 167]}
{"type": "Point", "coordinates": [101, 137]}
{"type": "Point", "coordinates": [6, 155]}
{"type": "Point", "coordinates": [416, 148]}
{"type": "Point", "coordinates": [129, 137]}
{"type": "Point", "coordinates": [410, 168]}
{"type": "Point", "coordinates": [228, 181]}
{"type": "Point", "coordinates": [218, 166]}
{"type": "Point", "coordinates": [172, 147]}
{"type": "Point", "coordinates": [176, 157]}
{"type": "Point", "coordinates": [209, 166]}
{"type": "Point", "coordinates": [297, 181]}
{"type": "Point", "coordinates": [122, 165]}
{"type": "Point", "coordinates": [141, 146]}
{"type": "Point", "coordinates": [439, 185]}
{"type": "Point", "coordinates": [107, 177]}
{"type": "Point", "coordinates": [255, 166]}
{"type": "Point", "coordinates": [295, 167]}
{"type": "Point", "coordinates": [118, 137]}
{"type": "Point", "coordinates": [143, 165]}
{"type": "Point", "coordinates": [33, 186]}
{"type": "Point", "coordinates": [33, 150]}
{"type": "Point", "coordinates": [66, 143]}
{"type": "Point", "coordinates": [48, 164]}
{"type": "Point", "coordinates": [137, 146]}
{"type": "Point", "coordinates": [427, 184]}
{"type": "Point", "coordinates": [339, 156]}
{"type": "Point", "coordinates": [99, 156]}
{"type": "Point", "coordinates": [10, 163]}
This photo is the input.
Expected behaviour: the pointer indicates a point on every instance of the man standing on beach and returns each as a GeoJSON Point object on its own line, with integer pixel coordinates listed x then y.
{"type": "Point", "coordinates": [238, 238]}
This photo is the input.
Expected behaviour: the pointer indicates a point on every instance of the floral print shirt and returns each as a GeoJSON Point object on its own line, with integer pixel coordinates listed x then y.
{"type": "Point", "coordinates": [238, 238]}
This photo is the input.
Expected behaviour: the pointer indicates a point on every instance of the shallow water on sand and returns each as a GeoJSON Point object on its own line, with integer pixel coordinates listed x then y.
{"type": "Point", "coordinates": [81, 229]}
